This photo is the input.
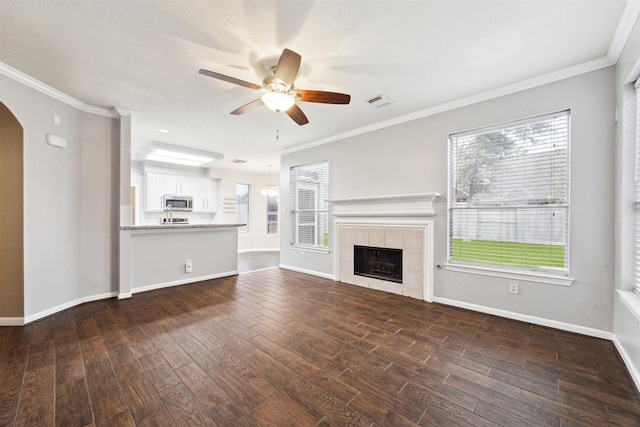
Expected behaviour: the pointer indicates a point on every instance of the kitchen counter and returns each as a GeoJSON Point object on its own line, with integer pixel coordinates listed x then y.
{"type": "Point", "coordinates": [174, 254]}
{"type": "Point", "coordinates": [178, 226]}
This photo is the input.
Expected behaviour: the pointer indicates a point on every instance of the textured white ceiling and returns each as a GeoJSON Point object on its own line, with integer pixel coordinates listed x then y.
{"type": "Point", "coordinates": [145, 56]}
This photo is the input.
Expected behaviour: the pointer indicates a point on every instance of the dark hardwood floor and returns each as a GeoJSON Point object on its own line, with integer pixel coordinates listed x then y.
{"type": "Point", "coordinates": [279, 348]}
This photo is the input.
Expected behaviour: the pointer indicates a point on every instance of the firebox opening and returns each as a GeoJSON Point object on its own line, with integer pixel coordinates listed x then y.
{"type": "Point", "coordinates": [378, 263]}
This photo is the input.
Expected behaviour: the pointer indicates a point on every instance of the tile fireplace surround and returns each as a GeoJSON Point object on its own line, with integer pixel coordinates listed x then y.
{"type": "Point", "coordinates": [397, 222]}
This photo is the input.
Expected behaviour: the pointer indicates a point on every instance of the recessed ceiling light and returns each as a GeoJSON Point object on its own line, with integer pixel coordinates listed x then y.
{"type": "Point", "coordinates": [163, 130]}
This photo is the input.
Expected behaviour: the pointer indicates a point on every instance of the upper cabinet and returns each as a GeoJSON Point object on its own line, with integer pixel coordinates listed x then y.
{"type": "Point", "coordinates": [203, 191]}
{"type": "Point", "coordinates": [154, 190]}
{"type": "Point", "coordinates": [179, 185]}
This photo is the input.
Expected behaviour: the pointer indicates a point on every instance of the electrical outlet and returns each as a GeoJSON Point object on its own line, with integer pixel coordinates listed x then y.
{"type": "Point", "coordinates": [513, 288]}
{"type": "Point", "coordinates": [188, 267]}
{"type": "Point", "coordinates": [301, 255]}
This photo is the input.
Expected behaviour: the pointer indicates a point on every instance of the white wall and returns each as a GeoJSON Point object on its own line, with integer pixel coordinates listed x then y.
{"type": "Point", "coordinates": [412, 158]}
{"type": "Point", "coordinates": [70, 200]}
{"type": "Point", "coordinates": [627, 324]}
{"type": "Point", "coordinates": [158, 256]}
{"type": "Point", "coordinates": [257, 239]}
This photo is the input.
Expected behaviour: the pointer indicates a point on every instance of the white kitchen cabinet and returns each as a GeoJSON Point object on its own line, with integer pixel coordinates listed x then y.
{"type": "Point", "coordinates": [204, 195]}
{"type": "Point", "coordinates": [197, 185]}
{"type": "Point", "coordinates": [178, 185]}
{"type": "Point", "coordinates": [203, 191]}
{"type": "Point", "coordinates": [210, 193]}
{"type": "Point", "coordinates": [154, 191]}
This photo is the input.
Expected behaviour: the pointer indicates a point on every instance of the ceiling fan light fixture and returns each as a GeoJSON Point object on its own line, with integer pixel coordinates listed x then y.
{"type": "Point", "coordinates": [278, 90]}
{"type": "Point", "coordinates": [278, 101]}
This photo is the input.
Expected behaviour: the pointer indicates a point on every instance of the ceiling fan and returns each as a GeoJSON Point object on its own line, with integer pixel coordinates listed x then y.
{"type": "Point", "coordinates": [278, 91]}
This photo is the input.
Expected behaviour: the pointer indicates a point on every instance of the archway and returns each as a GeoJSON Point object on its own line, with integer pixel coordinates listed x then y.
{"type": "Point", "coordinates": [11, 216]}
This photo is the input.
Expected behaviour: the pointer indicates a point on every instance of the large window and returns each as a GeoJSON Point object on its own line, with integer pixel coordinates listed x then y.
{"type": "Point", "coordinates": [309, 186]}
{"type": "Point", "coordinates": [509, 195]}
{"type": "Point", "coordinates": [243, 192]}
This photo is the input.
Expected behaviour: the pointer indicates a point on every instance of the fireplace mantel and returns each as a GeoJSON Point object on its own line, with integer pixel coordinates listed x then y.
{"type": "Point", "coordinates": [419, 204]}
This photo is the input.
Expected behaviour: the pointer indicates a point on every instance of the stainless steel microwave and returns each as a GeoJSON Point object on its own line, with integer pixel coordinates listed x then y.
{"type": "Point", "coordinates": [177, 203]}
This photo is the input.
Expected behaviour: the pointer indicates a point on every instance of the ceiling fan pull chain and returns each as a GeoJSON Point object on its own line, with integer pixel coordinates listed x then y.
{"type": "Point", "coordinates": [278, 126]}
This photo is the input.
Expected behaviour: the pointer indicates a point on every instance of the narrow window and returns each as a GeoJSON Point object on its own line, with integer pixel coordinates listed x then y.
{"type": "Point", "coordinates": [272, 209]}
{"type": "Point", "coordinates": [243, 192]}
{"type": "Point", "coordinates": [636, 200]}
{"type": "Point", "coordinates": [309, 186]}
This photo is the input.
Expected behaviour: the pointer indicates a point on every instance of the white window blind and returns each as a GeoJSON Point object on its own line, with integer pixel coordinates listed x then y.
{"type": "Point", "coordinates": [309, 186]}
{"type": "Point", "coordinates": [509, 195]}
{"type": "Point", "coordinates": [272, 210]}
{"type": "Point", "coordinates": [636, 200]}
{"type": "Point", "coordinates": [242, 196]}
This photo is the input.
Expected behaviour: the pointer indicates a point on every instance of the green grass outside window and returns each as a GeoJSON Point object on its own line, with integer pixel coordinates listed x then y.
{"type": "Point", "coordinates": [527, 255]}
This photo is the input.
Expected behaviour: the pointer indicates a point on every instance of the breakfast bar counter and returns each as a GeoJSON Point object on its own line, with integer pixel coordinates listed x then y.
{"type": "Point", "coordinates": [177, 226]}
{"type": "Point", "coordinates": [175, 254]}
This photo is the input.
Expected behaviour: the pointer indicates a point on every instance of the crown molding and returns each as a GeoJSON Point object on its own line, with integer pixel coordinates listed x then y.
{"type": "Point", "coordinates": [625, 26]}
{"type": "Point", "coordinates": [534, 82]}
{"type": "Point", "coordinates": [623, 31]}
{"type": "Point", "coordinates": [121, 111]}
{"type": "Point", "coordinates": [37, 85]}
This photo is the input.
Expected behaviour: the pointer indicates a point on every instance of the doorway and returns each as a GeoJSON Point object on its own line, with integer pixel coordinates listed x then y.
{"type": "Point", "coordinates": [12, 218]}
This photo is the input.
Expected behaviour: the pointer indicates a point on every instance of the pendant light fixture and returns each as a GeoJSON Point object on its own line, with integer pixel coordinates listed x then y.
{"type": "Point", "coordinates": [270, 190]}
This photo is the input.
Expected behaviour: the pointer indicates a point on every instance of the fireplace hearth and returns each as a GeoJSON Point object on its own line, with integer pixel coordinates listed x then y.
{"type": "Point", "coordinates": [378, 263]}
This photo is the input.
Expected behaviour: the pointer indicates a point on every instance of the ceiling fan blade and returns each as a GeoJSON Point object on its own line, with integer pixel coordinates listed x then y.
{"type": "Point", "coordinates": [322, 97]}
{"type": "Point", "coordinates": [287, 68]}
{"type": "Point", "coordinates": [229, 79]}
{"type": "Point", "coordinates": [248, 107]}
{"type": "Point", "coordinates": [297, 115]}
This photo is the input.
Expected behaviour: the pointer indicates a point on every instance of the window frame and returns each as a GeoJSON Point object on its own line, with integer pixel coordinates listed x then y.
{"type": "Point", "coordinates": [559, 277]}
{"type": "Point", "coordinates": [273, 195]}
{"type": "Point", "coordinates": [319, 212]}
{"type": "Point", "coordinates": [636, 197]}
{"type": "Point", "coordinates": [246, 229]}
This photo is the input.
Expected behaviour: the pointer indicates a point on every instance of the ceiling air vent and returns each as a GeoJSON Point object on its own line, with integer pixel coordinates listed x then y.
{"type": "Point", "coordinates": [239, 161]}
{"type": "Point", "coordinates": [379, 101]}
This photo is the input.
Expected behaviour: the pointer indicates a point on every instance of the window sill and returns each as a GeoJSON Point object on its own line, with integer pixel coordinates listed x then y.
{"type": "Point", "coordinates": [538, 277]}
{"type": "Point", "coordinates": [632, 301]}
{"type": "Point", "coordinates": [310, 249]}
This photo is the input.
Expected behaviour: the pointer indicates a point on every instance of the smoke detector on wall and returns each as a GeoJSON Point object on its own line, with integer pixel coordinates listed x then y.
{"type": "Point", "coordinates": [379, 101]}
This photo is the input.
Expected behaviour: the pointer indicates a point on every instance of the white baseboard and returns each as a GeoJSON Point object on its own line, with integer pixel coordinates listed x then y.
{"type": "Point", "coordinates": [244, 251]}
{"type": "Point", "coordinates": [11, 321]}
{"type": "Point", "coordinates": [629, 363]}
{"type": "Point", "coordinates": [253, 271]}
{"type": "Point", "coordinates": [61, 307]}
{"type": "Point", "coordinates": [309, 272]}
{"type": "Point", "coordinates": [181, 282]}
{"type": "Point", "coordinates": [529, 319]}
